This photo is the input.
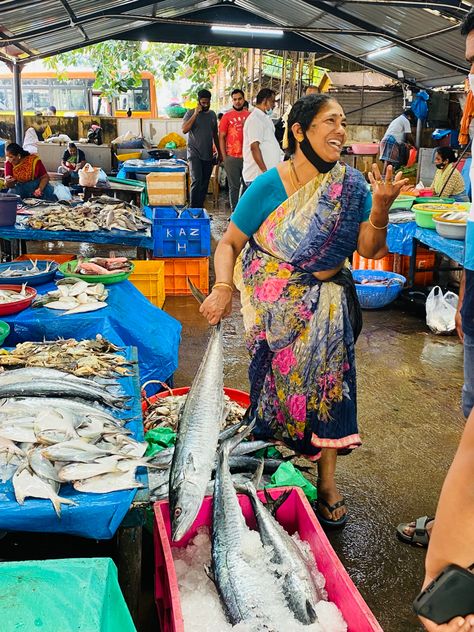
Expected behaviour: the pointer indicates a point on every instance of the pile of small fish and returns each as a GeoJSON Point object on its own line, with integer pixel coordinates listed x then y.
{"type": "Point", "coordinates": [85, 358]}
{"type": "Point", "coordinates": [382, 282]}
{"type": "Point", "coordinates": [101, 213]}
{"type": "Point", "coordinates": [100, 265]}
{"type": "Point", "coordinates": [13, 296]}
{"type": "Point", "coordinates": [56, 428]}
{"type": "Point", "coordinates": [237, 577]}
{"type": "Point", "coordinates": [164, 412]}
{"type": "Point", "coordinates": [74, 296]}
{"type": "Point", "coordinates": [21, 271]}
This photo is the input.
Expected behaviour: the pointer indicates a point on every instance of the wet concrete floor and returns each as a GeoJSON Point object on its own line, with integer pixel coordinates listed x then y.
{"type": "Point", "coordinates": [409, 385]}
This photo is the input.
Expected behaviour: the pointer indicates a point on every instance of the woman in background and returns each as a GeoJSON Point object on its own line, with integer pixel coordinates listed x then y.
{"type": "Point", "coordinates": [448, 181]}
{"type": "Point", "coordinates": [25, 174]}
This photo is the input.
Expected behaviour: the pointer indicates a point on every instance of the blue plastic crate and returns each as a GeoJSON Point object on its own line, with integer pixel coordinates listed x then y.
{"type": "Point", "coordinates": [181, 232]}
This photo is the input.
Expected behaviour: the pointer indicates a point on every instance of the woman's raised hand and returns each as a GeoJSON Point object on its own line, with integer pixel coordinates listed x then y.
{"type": "Point", "coordinates": [217, 305]}
{"type": "Point", "coordinates": [385, 190]}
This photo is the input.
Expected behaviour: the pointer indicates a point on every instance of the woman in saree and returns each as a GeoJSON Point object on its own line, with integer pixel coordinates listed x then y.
{"type": "Point", "coordinates": [26, 175]}
{"type": "Point", "coordinates": [286, 249]}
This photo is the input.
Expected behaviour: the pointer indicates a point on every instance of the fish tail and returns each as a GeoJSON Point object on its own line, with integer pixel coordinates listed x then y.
{"type": "Point", "coordinates": [229, 444]}
{"type": "Point", "coordinates": [274, 504]}
{"type": "Point", "coordinates": [252, 485]}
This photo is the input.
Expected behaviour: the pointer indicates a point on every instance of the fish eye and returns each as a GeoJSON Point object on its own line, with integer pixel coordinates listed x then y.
{"type": "Point", "coordinates": [177, 512]}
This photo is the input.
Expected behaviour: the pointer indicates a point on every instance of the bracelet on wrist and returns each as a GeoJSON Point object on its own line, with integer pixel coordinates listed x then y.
{"type": "Point", "coordinates": [377, 227]}
{"type": "Point", "coordinates": [222, 284]}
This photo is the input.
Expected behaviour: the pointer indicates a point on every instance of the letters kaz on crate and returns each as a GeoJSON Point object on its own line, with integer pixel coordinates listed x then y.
{"type": "Point", "coordinates": [187, 234]}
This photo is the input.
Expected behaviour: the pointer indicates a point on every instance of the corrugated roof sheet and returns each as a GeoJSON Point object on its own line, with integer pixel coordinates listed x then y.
{"type": "Point", "coordinates": [423, 46]}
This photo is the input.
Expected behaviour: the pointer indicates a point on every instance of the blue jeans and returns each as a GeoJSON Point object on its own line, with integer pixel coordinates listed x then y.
{"type": "Point", "coordinates": [468, 387]}
{"type": "Point", "coordinates": [26, 189]}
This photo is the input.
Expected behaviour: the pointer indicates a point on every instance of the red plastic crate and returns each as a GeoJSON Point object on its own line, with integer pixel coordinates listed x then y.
{"type": "Point", "coordinates": [295, 515]}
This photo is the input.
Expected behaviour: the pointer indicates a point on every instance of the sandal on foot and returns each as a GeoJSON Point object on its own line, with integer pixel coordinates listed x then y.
{"type": "Point", "coordinates": [327, 522]}
{"type": "Point", "coordinates": [420, 536]}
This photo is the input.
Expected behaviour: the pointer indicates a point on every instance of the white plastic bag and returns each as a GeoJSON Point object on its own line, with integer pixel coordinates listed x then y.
{"type": "Point", "coordinates": [62, 192]}
{"type": "Point", "coordinates": [441, 310]}
{"type": "Point", "coordinates": [89, 175]}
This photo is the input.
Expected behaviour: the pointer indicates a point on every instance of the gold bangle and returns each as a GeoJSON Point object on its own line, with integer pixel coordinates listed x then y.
{"type": "Point", "coordinates": [222, 284]}
{"type": "Point", "coordinates": [378, 227]}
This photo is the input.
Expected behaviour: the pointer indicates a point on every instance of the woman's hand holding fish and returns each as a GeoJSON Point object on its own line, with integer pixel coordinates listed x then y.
{"type": "Point", "coordinates": [385, 190]}
{"type": "Point", "coordinates": [217, 305]}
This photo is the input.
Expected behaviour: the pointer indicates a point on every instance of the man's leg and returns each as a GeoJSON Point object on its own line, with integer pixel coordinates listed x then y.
{"type": "Point", "coordinates": [468, 388]}
{"type": "Point", "coordinates": [206, 171]}
{"type": "Point", "coordinates": [195, 171]}
{"type": "Point", "coordinates": [233, 168]}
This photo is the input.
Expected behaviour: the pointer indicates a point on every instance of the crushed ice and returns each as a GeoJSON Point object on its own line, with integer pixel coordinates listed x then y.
{"type": "Point", "coordinates": [200, 604]}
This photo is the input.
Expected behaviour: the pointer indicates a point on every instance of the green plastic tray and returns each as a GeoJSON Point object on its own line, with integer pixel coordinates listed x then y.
{"type": "Point", "coordinates": [106, 279]}
{"type": "Point", "coordinates": [4, 331]}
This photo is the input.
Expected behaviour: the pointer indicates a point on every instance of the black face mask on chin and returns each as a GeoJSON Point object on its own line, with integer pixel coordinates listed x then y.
{"type": "Point", "coordinates": [321, 165]}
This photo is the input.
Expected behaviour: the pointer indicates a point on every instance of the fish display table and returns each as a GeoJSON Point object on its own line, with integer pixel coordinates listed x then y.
{"type": "Point", "coordinates": [128, 320]}
{"type": "Point", "coordinates": [20, 232]}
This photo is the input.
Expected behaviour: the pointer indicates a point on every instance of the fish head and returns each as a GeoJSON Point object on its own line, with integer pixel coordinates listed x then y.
{"type": "Point", "coordinates": [185, 503]}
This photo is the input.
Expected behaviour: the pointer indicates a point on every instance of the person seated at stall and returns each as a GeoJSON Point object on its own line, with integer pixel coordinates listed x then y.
{"type": "Point", "coordinates": [73, 160]}
{"type": "Point", "coordinates": [448, 181]}
{"type": "Point", "coordinates": [26, 175]}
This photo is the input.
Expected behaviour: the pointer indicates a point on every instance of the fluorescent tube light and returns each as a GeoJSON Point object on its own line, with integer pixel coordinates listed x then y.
{"type": "Point", "coordinates": [246, 30]}
{"type": "Point", "coordinates": [379, 51]}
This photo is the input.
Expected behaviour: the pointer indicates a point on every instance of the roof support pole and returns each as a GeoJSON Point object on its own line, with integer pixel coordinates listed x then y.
{"type": "Point", "coordinates": [16, 67]}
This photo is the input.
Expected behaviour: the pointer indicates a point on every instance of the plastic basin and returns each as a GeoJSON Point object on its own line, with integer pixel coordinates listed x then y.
{"type": "Point", "coordinates": [424, 213]}
{"type": "Point", "coordinates": [376, 296]}
{"type": "Point", "coordinates": [36, 279]}
{"type": "Point", "coordinates": [240, 397]}
{"type": "Point", "coordinates": [107, 279]}
{"type": "Point", "coordinates": [17, 306]}
{"type": "Point", "coordinates": [451, 230]}
{"type": "Point", "coordinates": [4, 331]}
{"type": "Point", "coordinates": [368, 149]}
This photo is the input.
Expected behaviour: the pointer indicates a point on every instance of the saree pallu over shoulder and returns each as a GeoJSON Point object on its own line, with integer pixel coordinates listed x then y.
{"type": "Point", "coordinates": [298, 330]}
{"type": "Point", "coordinates": [24, 171]}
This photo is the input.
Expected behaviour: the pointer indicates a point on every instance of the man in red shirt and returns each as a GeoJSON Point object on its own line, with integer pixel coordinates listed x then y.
{"type": "Point", "coordinates": [231, 138]}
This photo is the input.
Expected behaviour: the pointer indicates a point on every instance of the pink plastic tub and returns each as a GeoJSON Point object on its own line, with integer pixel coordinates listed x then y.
{"type": "Point", "coordinates": [369, 149]}
{"type": "Point", "coordinates": [295, 515]}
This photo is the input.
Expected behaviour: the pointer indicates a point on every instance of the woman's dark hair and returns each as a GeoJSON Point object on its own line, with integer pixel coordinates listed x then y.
{"type": "Point", "coordinates": [303, 112]}
{"type": "Point", "coordinates": [468, 23]}
{"type": "Point", "coordinates": [446, 153]}
{"type": "Point", "coordinates": [72, 145]}
{"type": "Point", "coordinates": [17, 150]}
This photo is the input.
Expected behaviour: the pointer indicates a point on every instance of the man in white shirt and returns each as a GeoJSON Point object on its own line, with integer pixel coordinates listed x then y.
{"type": "Point", "coordinates": [261, 150]}
{"type": "Point", "coordinates": [398, 134]}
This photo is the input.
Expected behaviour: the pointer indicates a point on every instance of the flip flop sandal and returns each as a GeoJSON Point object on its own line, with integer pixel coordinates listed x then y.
{"type": "Point", "coordinates": [327, 522]}
{"type": "Point", "coordinates": [420, 535]}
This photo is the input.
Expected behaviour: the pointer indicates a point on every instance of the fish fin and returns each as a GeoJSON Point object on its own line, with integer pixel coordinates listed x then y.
{"type": "Point", "coordinates": [251, 486]}
{"type": "Point", "coordinates": [273, 505]}
{"type": "Point", "coordinates": [209, 572]}
{"type": "Point", "coordinates": [229, 444]}
{"type": "Point", "coordinates": [232, 430]}
{"type": "Point", "coordinates": [196, 292]}
{"type": "Point", "coordinates": [311, 612]}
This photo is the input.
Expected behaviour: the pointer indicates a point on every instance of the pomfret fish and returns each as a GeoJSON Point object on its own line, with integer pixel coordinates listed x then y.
{"type": "Point", "coordinates": [198, 433]}
{"type": "Point", "coordinates": [27, 485]}
{"type": "Point", "coordinates": [76, 451]}
{"type": "Point", "coordinates": [85, 307]}
{"type": "Point", "coordinates": [81, 471]}
{"type": "Point", "coordinates": [41, 466]}
{"type": "Point", "coordinates": [111, 482]}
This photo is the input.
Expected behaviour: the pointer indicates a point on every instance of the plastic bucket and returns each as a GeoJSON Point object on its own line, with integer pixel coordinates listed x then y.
{"type": "Point", "coordinates": [8, 206]}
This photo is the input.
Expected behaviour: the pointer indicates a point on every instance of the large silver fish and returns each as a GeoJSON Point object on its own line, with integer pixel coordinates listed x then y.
{"type": "Point", "coordinates": [237, 580]}
{"type": "Point", "coordinates": [198, 433]}
{"type": "Point", "coordinates": [299, 588]}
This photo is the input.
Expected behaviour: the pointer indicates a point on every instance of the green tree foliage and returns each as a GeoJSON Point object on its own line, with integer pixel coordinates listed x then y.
{"type": "Point", "coordinates": [118, 64]}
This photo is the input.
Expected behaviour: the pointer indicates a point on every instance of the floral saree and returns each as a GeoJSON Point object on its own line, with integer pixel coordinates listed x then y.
{"type": "Point", "coordinates": [299, 330]}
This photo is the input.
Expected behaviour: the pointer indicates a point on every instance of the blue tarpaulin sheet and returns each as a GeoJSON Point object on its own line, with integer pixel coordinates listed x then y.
{"type": "Point", "coordinates": [128, 320]}
{"type": "Point", "coordinates": [122, 237]}
{"type": "Point", "coordinates": [400, 240]}
{"type": "Point", "coordinates": [95, 516]}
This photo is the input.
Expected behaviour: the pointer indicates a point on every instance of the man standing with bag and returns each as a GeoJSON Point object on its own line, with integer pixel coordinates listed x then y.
{"type": "Point", "coordinates": [201, 125]}
{"type": "Point", "coordinates": [231, 139]}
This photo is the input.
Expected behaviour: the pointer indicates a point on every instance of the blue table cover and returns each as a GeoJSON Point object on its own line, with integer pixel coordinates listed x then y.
{"type": "Point", "coordinates": [150, 166]}
{"type": "Point", "coordinates": [122, 237]}
{"type": "Point", "coordinates": [400, 241]}
{"type": "Point", "coordinates": [128, 320]}
{"type": "Point", "coordinates": [95, 516]}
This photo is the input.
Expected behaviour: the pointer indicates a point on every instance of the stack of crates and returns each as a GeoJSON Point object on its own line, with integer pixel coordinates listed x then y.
{"type": "Point", "coordinates": [425, 261]}
{"type": "Point", "coordinates": [182, 241]}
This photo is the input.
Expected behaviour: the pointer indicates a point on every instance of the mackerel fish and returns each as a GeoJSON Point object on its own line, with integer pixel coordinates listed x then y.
{"type": "Point", "coordinates": [198, 432]}
{"type": "Point", "coordinates": [299, 587]}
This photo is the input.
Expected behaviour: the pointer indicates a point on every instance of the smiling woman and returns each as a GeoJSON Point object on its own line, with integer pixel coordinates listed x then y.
{"type": "Point", "coordinates": [289, 240]}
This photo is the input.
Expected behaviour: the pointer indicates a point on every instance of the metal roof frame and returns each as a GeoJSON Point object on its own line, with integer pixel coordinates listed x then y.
{"type": "Point", "coordinates": [68, 24]}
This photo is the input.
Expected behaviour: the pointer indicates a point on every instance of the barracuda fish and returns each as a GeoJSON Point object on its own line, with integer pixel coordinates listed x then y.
{"type": "Point", "coordinates": [237, 580]}
{"type": "Point", "coordinates": [299, 588]}
{"type": "Point", "coordinates": [31, 374]}
{"type": "Point", "coordinates": [198, 433]}
{"type": "Point", "coordinates": [9, 407]}
{"type": "Point", "coordinates": [164, 457]}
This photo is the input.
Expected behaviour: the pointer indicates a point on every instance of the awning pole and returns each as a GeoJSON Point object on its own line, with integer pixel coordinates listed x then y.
{"type": "Point", "coordinates": [17, 103]}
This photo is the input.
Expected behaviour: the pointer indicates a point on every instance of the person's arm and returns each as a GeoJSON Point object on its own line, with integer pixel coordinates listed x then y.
{"type": "Point", "coordinates": [218, 304]}
{"type": "Point", "coordinates": [9, 179]}
{"type": "Point", "coordinates": [189, 122]}
{"type": "Point", "coordinates": [450, 545]}
{"type": "Point", "coordinates": [41, 186]}
{"type": "Point", "coordinates": [223, 129]}
{"type": "Point", "coordinates": [458, 318]}
{"type": "Point", "coordinates": [372, 241]}
{"type": "Point", "coordinates": [410, 139]}
{"type": "Point", "coordinates": [82, 161]}
{"type": "Point", "coordinates": [257, 155]}
{"type": "Point", "coordinates": [215, 135]}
